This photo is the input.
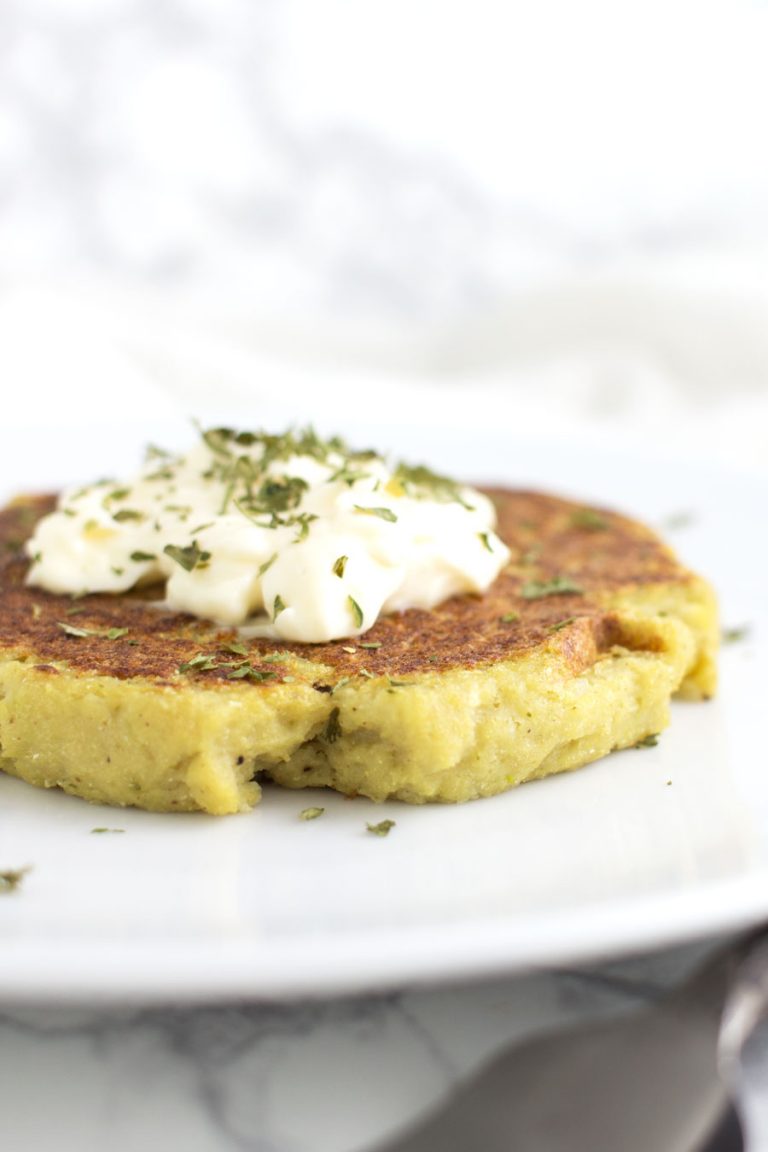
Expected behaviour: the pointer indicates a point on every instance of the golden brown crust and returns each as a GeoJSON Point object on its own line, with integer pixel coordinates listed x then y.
{"type": "Point", "coordinates": [551, 539]}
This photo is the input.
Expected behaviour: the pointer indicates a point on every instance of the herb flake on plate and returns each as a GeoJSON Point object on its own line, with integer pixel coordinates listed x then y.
{"type": "Point", "coordinates": [11, 878]}
{"type": "Point", "coordinates": [382, 828]}
{"type": "Point", "coordinates": [648, 741]}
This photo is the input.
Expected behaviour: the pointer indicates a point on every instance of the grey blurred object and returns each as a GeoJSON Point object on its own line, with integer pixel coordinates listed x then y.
{"type": "Point", "coordinates": [661, 1079]}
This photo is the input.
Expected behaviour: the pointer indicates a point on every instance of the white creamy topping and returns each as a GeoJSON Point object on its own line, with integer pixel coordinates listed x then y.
{"type": "Point", "coordinates": [291, 537]}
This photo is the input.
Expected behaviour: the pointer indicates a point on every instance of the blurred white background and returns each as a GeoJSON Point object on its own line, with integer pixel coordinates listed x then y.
{"type": "Point", "coordinates": [539, 213]}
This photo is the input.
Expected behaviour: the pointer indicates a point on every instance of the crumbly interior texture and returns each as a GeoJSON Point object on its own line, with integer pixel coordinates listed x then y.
{"type": "Point", "coordinates": [448, 736]}
{"type": "Point", "coordinates": [583, 686]}
{"type": "Point", "coordinates": [467, 734]}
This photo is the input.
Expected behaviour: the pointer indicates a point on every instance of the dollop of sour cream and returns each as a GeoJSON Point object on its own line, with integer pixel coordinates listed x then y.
{"type": "Point", "coordinates": [290, 537]}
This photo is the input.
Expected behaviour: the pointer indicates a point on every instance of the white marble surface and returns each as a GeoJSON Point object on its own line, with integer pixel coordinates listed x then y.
{"type": "Point", "coordinates": [333, 1076]}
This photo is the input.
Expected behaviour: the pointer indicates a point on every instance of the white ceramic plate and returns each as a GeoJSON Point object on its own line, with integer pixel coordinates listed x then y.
{"type": "Point", "coordinates": [643, 849]}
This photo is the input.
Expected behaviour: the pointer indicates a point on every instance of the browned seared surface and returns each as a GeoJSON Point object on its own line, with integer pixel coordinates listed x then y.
{"type": "Point", "coordinates": [551, 540]}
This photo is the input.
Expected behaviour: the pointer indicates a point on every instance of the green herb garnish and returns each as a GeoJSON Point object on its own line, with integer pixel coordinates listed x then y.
{"type": "Point", "coordinates": [236, 648]}
{"type": "Point", "coordinates": [333, 727]}
{"type": "Point", "coordinates": [589, 518]}
{"type": "Point", "coordinates": [143, 557]}
{"type": "Point", "coordinates": [303, 521]}
{"type": "Point", "coordinates": [420, 481]}
{"type": "Point", "coordinates": [11, 878]}
{"type": "Point", "coordinates": [199, 663]}
{"type": "Point", "coordinates": [382, 828]}
{"type": "Point", "coordinates": [189, 558]}
{"type": "Point", "coordinates": [561, 624]}
{"type": "Point", "coordinates": [735, 635]}
{"type": "Point", "coordinates": [127, 514]}
{"type": "Point", "coordinates": [247, 671]}
{"type": "Point", "coordinates": [310, 813]}
{"type": "Point", "coordinates": [339, 565]}
{"type": "Point", "coordinates": [382, 513]}
{"type": "Point", "coordinates": [509, 618]}
{"type": "Point", "coordinates": [265, 567]}
{"type": "Point", "coordinates": [280, 495]}
{"type": "Point", "coordinates": [277, 607]}
{"type": "Point", "coordinates": [357, 612]}
{"type": "Point", "coordinates": [648, 741]}
{"type": "Point", "coordinates": [559, 586]}
{"type": "Point", "coordinates": [485, 540]}
{"type": "Point", "coordinates": [82, 633]}
{"type": "Point", "coordinates": [347, 475]}
{"type": "Point", "coordinates": [274, 496]}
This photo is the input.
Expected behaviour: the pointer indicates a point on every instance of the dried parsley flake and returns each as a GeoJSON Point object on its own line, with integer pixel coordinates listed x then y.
{"type": "Point", "coordinates": [735, 635]}
{"type": "Point", "coordinates": [382, 828]}
{"type": "Point", "coordinates": [357, 612]}
{"type": "Point", "coordinates": [190, 557]}
{"type": "Point", "coordinates": [333, 727]}
{"type": "Point", "coordinates": [648, 741]}
{"type": "Point", "coordinates": [382, 513]}
{"type": "Point", "coordinates": [561, 624]}
{"type": "Point", "coordinates": [558, 586]}
{"type": "Point", "coordinates": [101, 633]}
{"type": "Point", "coordinates": [589, 518]}
{"type": "Point", "coordinates": [11, 878]}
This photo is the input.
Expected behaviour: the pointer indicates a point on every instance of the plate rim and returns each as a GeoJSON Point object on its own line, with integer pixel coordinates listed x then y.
{"type": "Point", "coordinates": [118, 971]}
